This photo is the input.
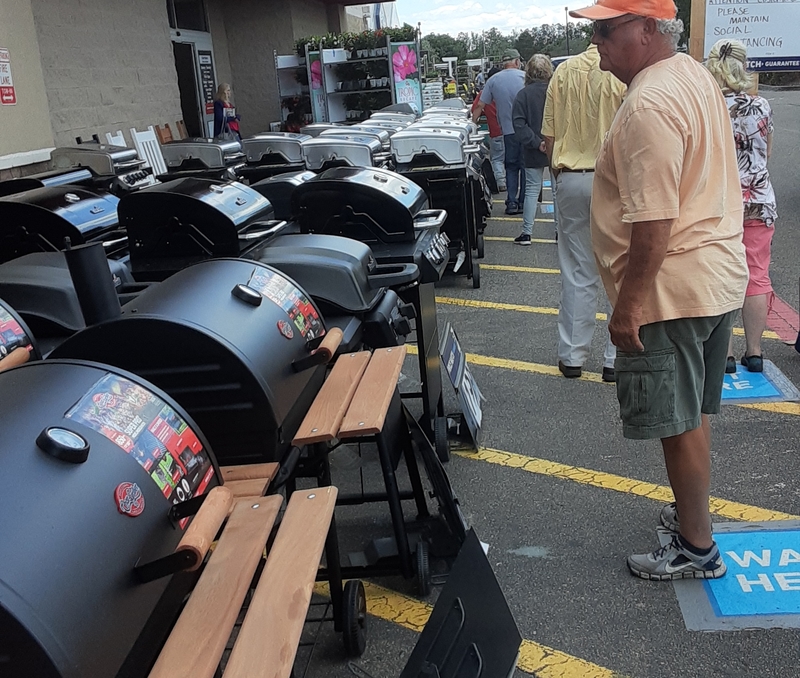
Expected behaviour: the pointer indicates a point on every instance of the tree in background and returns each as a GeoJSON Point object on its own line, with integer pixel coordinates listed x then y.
{"type": "Point", "coordinates": [548, 39]}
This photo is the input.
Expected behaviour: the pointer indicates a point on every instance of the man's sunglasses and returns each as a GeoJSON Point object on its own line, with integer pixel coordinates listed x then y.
{"type": "Point", "coordinates": [604, 30]}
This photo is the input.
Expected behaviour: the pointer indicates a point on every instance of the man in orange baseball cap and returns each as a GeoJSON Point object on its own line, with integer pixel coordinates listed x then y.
{"type": "Point", "coordinates": [666, 222]}
{"type": "Point", "coordinates": [610, 9]}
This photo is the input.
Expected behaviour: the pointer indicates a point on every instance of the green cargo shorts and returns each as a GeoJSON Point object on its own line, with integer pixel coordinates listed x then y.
{"type": "Point", "coordinates": [663, 390]}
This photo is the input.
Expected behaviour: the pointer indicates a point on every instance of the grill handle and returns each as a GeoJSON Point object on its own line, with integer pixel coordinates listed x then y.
{"type": "Point", "coordinates": [206, 524]}
{"type": "Point", "coordinates": [19, 356]}
{"type": "Point", "coordinates": [275, 226]}
{"type": "Point", "coordinates": [392, 275]}
{"type": "Point", "coordinates": [429, 218]}
{"type": "Point", "coordinates": [323, 353]}
{"type": "Point", "coordinates": [193, 547]}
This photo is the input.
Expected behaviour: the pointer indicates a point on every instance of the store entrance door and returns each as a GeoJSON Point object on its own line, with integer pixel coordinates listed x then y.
{"type": "Point", "coordinates": [197, 83]}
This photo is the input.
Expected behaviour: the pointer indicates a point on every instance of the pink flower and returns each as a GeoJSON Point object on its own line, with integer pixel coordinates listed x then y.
{"type": "Point", "coordinates": [316, 74]}
{"type": "Point", "coordinates": [404, 61]}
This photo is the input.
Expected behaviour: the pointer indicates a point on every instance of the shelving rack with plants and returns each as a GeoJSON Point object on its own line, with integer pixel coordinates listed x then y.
{"type": "Point", "coordinates": [292, 76]}
{"type": "Point", "coordinates": [357, 73]}
{"type": "Point", "coordinates": [357, 85]}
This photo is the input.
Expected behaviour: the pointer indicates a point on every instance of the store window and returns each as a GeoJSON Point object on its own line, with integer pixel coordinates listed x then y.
{"type": "Point", "coordinates": [189, 15]}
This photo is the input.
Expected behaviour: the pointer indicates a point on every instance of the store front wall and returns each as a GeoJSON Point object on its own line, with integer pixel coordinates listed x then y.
{"type": "Point", "coordinates": [106, 65]}
{"type": "Point", "coordinates": [89, 67]}
{"type": "Point", "coordinates": [25, 124]}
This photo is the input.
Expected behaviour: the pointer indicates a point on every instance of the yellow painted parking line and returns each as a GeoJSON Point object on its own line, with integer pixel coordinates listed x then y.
{"type": "Point", "coordinates": [519, 219]}
{"type": "Point", "coordinates": [543, 202]}
{"type": "Point", "coordinates": [476, 303]}
{"type": "Point", "coordinates": [609, 481]}
{"type": "Point", "coordinates": [503, 239]}
{"type": "Point", "coordinates": [519, 269]}
{"type": "Point", "coordinates": [551, 370]}
{"type": "Point", "coordinates": [522, 308]}
{"type": "Point", "coordinates": [535, 658]}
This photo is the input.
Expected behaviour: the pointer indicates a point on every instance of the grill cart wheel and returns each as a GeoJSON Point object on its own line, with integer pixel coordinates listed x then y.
{"type": "Point", "coordinates": [424, 580]}
{"type": "Point", "coordinates": [481, 246]}
{"type": "Point", "coordinates": [476, 275]}
{"type": "Point", "coordinates": [354, 618]}
{"type": "Point", "coordinates": [440, 437]}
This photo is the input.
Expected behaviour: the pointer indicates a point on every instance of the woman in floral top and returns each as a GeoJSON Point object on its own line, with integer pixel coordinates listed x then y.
{"type": "Point", "coordinates": [751, 117]}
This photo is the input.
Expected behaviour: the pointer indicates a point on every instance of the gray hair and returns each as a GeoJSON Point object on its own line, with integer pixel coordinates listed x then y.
{"type": "Point", "coordinates": [672, 28]}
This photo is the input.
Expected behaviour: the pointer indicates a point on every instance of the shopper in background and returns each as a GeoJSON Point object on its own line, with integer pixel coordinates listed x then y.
{"type": "Point", "coordinates": [496, 146]}
{"type": "Point", "coordinates": [581, 103]}
{"type": "Point", "coordinates": [527, 117]}
{"type": "Point", "coordinates": [502, 88]}
{"type": "Point", "coordinates": [751, 117]}
{"type": "Point", "coordinates": [225, 119]}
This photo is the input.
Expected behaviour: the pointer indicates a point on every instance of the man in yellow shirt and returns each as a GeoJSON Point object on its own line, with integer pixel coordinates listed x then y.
{"type": "Point", "coordinates": [667, 234]}
{"type": "Point", "coordinates": [581, 103]}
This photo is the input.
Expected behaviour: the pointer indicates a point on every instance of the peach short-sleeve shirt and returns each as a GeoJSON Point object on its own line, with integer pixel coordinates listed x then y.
{"type": "Point", "coordinates": [670, 155]}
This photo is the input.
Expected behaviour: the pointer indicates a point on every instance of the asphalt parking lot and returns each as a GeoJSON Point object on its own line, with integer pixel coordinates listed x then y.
{"type": "Point", "coordinates": [562, 498]}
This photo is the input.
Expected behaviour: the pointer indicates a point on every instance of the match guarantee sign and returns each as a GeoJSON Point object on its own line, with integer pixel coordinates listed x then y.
{"type": "Point", "coordinates": [768, 28]}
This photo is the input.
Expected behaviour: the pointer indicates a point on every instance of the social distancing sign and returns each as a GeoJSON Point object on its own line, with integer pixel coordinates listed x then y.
{"type": "Point", "coordinates": [761, 588]}
{"type": "Point", "coordinates": [771, 385]}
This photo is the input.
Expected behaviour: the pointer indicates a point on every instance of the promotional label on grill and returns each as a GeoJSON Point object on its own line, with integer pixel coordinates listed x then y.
{"type": "Point", "coordinates": [148, 429]}
{"type": "Point", "coordinates": [285, 294]}
{"type": "Point", "coordinates": [11, 334]}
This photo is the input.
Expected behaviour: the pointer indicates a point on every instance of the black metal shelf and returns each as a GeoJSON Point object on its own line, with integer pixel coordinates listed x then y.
{"type": "Point", "coordinates": [357, 61]}
{"type": "Point", "coordinates": [361, 91]}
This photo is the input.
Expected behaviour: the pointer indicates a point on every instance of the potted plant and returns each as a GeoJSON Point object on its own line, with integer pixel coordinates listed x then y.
{"type": "Point", "coordinates": [362, 42]}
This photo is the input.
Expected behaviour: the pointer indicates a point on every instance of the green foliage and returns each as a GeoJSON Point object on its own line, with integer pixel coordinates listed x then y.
{"type": "Point", "coordinates": [552, 40]}
{"type": "Point", "coordinates": [546, 39]}
{"type": "Point", "coordinates": [405, 34]}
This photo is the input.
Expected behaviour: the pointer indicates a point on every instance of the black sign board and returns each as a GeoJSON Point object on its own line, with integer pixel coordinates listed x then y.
{"type": "Point", "coordinates": [207, 81]}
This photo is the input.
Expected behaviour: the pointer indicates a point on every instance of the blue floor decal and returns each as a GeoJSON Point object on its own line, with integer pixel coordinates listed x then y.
{"type": "Point", "coordinates": [546, 209]}
{"type": "Point", "coordinates": [763, 574]}
{"type": "Point", "coordinates": [761, 588]}
{"type": "Point", "coordinates": [771, 385]}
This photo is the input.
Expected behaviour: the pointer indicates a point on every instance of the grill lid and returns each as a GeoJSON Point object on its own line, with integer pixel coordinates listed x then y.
{"type": "Point", "coordinates": [331, 269]}
{"type": "Point", "coordinates": [445, 144]}
{"type": "Point", "coordinates": [102, 158]}
{"type": "Point", "coordinates": [371, 132]}
{"type": "Point", "coordinates": [368, 204]}
{"type": "Point", "coordinates": [284, 145]}
{"type": "Point", "coordinates": [317, 128]}
{"type": "Point", "coordinates": [188, 220]}
{"type": "Point", "coordinates": [199, 153]}
{"type": "Point", "coordinates": [356, 151]}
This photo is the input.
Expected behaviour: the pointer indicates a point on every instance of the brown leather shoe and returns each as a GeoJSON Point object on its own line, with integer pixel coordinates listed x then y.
{"type": "Point", "coordinates": [568, 371]}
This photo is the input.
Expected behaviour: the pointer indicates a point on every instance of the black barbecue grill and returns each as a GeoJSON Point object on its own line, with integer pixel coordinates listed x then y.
{"type": "Point", "coordinates": [390, 214]}
{"type": "Point", "coordinates": [377, 207]}
{"type": "Point", "coordinates": [278, 189]}
{"type": "Point", "coordinates": [41, 290]}
{"type": "Point", "coordinates": [343, 150]}
{"type": "Point", "coordinates": [39, 220]}
{"type": "Point", "coordinates": [199, 157]}
{"type": "Point", "coordinates": [14, 334]}
{"type": "Point", "coordinates": [95, 166]}
{"type": "Point", "coordinates": [272, 153]}
{"type": "Point", "coordinates": [445, 162]}
{"type": "Point", "coordinates": [93, 460]}
{"type": "Point", "coordinates": [232, 341]}
{"type": "Point", "coordinates": [187, 220]}
{"type": "Point", "coordinates": [346, 282]}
